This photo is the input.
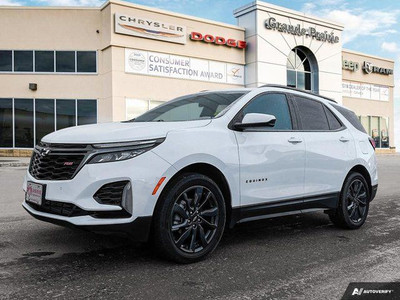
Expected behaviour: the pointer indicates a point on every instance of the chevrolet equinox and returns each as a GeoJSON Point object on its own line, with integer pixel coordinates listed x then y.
{"type": "Point", "coordinates": [184, 171]}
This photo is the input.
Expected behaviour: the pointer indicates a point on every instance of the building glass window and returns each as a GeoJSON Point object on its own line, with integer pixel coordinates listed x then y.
{"type": "Point", "coordinates": [137, 107]}
{"type": "Point", "coordinates": [384, 131]}
{"type": "Point", "coordinates": [87, 112]}
{"type": "Point", "coordinates": [66, 113]}
{"type": "Point", "coordinates": [378, 129]}
{"type": "Point", "coordinates": [23, 61]}
{"type": "Point", "coordinates": [5, 61]}
{"type": "Point", "coordinates": [86, 61]}
{"type": "Point", "coordinates": [35, 118]}
{"type": "Point", "coordinates": [23, 123]}
{"type": "Point", "coordinates": [302, 70]}
{"type": "Point", "coordinates": [65, 61]}
{"type": "Point", "coordinates": [6, 130]}
{"type": "Point", "coordinates": [154, 103]}
{"type": "Point", "coordinates": [44, 116]}
{"type": "Point", "coordinates": [44, 61]}
{"type": "Point", "coordinates": [375, 130]}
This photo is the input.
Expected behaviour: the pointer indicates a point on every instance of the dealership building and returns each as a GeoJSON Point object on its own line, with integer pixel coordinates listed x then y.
{"type": "Point", "coordinates": [70, 66]}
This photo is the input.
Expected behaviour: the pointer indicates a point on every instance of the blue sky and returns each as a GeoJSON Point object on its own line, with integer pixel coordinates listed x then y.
{"type": "Point", "coordinates": [370, 26]}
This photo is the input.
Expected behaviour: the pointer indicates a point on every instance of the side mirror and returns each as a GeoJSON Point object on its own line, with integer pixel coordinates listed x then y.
{"type": "Point", "coordinates": [253, 120]}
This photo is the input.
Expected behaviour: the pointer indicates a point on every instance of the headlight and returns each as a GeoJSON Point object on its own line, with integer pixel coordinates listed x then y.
{"type": "Point", "coordinates": [122, 150]}
{"type": "Point", "coordinates": [115, 156]}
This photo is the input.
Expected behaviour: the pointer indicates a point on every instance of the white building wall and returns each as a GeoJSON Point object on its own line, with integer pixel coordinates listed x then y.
{"type": "Point", "coordinates": [267, 50]}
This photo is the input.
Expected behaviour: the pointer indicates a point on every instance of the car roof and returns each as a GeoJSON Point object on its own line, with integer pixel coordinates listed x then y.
{"type": "Point", "coordinates": [297, 91]}
{"type": "Point", "coordinates": [268, 87]}
{"type": "Point", "coordinates": [280, 88]}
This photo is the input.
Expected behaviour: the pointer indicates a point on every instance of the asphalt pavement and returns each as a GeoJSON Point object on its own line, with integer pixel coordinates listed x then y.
{"type": "Point", "coordinates": [296, 257]}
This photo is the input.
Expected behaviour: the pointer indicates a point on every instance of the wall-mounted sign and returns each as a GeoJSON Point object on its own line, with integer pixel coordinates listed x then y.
{"type": "Point", "coordinates": [367, 67]}
{"type": "Point", "coordinates": [350, 65]}
{"type": "Point", "coordinates": [174, 66]}
{"type": "Point", "coordinates": [217, 40]}
{"type": "Point", "coordinates": [144, 27]}
{"type": "Point", "coordinates": [365, 91]}
{"type": "Point", "coordinates": [312, 32]}
{"type": "Point", "coordinates": [371, 68]}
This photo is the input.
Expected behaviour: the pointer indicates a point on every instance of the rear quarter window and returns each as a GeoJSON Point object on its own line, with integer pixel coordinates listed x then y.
{"type": "Point", "coordinates": [333, 121]}
{"type": "Point", "coordinates": [351, 117]}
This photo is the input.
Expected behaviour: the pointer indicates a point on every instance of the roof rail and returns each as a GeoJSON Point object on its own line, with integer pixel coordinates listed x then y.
{"type": "Point", "coordinates": [297, 90]}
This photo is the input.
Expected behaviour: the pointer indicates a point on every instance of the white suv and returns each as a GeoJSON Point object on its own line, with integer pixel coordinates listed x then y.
{"type": "Point", "coordinates": [184, 171]}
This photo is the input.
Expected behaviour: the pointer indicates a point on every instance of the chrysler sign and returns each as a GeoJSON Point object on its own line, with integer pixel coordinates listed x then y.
{"type": "Point", "coordinates": [147, 28]}
{"type": "Point", "coordinates": [272, 24]}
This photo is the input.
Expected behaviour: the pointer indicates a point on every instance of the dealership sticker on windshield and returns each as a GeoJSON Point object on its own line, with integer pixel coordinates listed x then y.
{"type": "Point", "coordinates": [34, 193]}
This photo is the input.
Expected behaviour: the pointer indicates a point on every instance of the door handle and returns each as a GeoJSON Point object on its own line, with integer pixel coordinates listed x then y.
{"type": "Point", "coordinates": [294, 140]}
{"type": "Point", "coordinates": [344, 139]}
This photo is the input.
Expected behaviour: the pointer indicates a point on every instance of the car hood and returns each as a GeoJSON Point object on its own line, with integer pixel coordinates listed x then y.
{"type": "Point", "coordinates": [118, 132]}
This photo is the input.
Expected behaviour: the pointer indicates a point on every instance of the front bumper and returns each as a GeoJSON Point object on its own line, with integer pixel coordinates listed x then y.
{"type": "Point", "coordinates": [138, 229]}
{"type": "Point", "coordinates": [143, 172]}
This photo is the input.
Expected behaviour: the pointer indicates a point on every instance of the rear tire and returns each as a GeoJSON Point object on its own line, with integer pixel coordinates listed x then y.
{"type": "Point", "coordinates": [189, 219]}
{"type": "Point", "coordinates": [353, 205]}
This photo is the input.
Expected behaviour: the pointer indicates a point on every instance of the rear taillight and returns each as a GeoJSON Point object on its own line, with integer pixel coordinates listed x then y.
{"type": "Point", "coordinates": [372, 142]}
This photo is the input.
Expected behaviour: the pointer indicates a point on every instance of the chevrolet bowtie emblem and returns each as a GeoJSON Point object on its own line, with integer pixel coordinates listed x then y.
{"type": "Point", "coordinates": [44, 152]}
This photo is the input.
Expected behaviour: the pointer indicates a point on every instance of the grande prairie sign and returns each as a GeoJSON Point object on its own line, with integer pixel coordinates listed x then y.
{"type": "Point", "coordinates": [325, 36]}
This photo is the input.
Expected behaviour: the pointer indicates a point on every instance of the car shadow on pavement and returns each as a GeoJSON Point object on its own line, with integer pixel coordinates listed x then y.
{"type": "Point", "coordinates": [97, 247]}
{"type": "Point", "coordinates": [104, 262]}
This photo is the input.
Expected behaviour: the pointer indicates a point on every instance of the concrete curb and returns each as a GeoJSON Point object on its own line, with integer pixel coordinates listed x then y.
{"type": "Point", "coordinates": [14, 161]}
{"type": "Point", "coordinates": [13, 164]}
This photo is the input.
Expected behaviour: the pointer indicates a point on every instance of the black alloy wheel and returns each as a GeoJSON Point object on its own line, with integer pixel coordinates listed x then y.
{"type": "Point", "coordinates": [356, 200]}
{"type": "Point", "coordinates": [194, 219]}
{"type": "Point", "coordinates": [353, 205]}
{"type": "Point", "coordinates": [189, 218]}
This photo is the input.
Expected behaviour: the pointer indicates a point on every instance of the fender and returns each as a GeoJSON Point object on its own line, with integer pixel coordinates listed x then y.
{"type": "Point", "coordinates": [231, 173]}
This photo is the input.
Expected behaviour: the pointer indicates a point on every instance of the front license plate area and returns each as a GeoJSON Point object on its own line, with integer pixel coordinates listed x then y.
{"type": "Point", "coordinates": [34, 193]}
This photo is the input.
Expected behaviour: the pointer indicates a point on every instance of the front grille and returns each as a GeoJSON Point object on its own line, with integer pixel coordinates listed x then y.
{"type": "Point", "coordinates": [111, 193]}
{"type": "Point", "coordinates": [56, 161]}
{"type": "Point", "coordinates": [59, 208]}
{"type": "Point", "coordinates": [54, 167]}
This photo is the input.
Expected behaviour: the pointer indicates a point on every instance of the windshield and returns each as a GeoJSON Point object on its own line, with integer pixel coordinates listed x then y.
{"type": "Point", "coordinates": [192, 107]}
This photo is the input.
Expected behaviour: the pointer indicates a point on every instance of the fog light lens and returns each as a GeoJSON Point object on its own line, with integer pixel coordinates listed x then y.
{"type": "Point", "coordinates": [127, 200]}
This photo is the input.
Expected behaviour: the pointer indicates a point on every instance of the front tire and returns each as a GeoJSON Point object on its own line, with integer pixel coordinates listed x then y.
{"type": "Point", "coordinates": [353, 203]}
{"type": "Point", "coordinates": [189, 219]}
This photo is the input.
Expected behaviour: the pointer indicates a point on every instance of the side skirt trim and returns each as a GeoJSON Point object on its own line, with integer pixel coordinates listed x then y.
{"type": "Point", "coordinates": [284, 208]}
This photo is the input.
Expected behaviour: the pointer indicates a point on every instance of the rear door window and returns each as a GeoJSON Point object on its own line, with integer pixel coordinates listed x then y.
{"type": "Point", "coordinates": [311, 114]}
